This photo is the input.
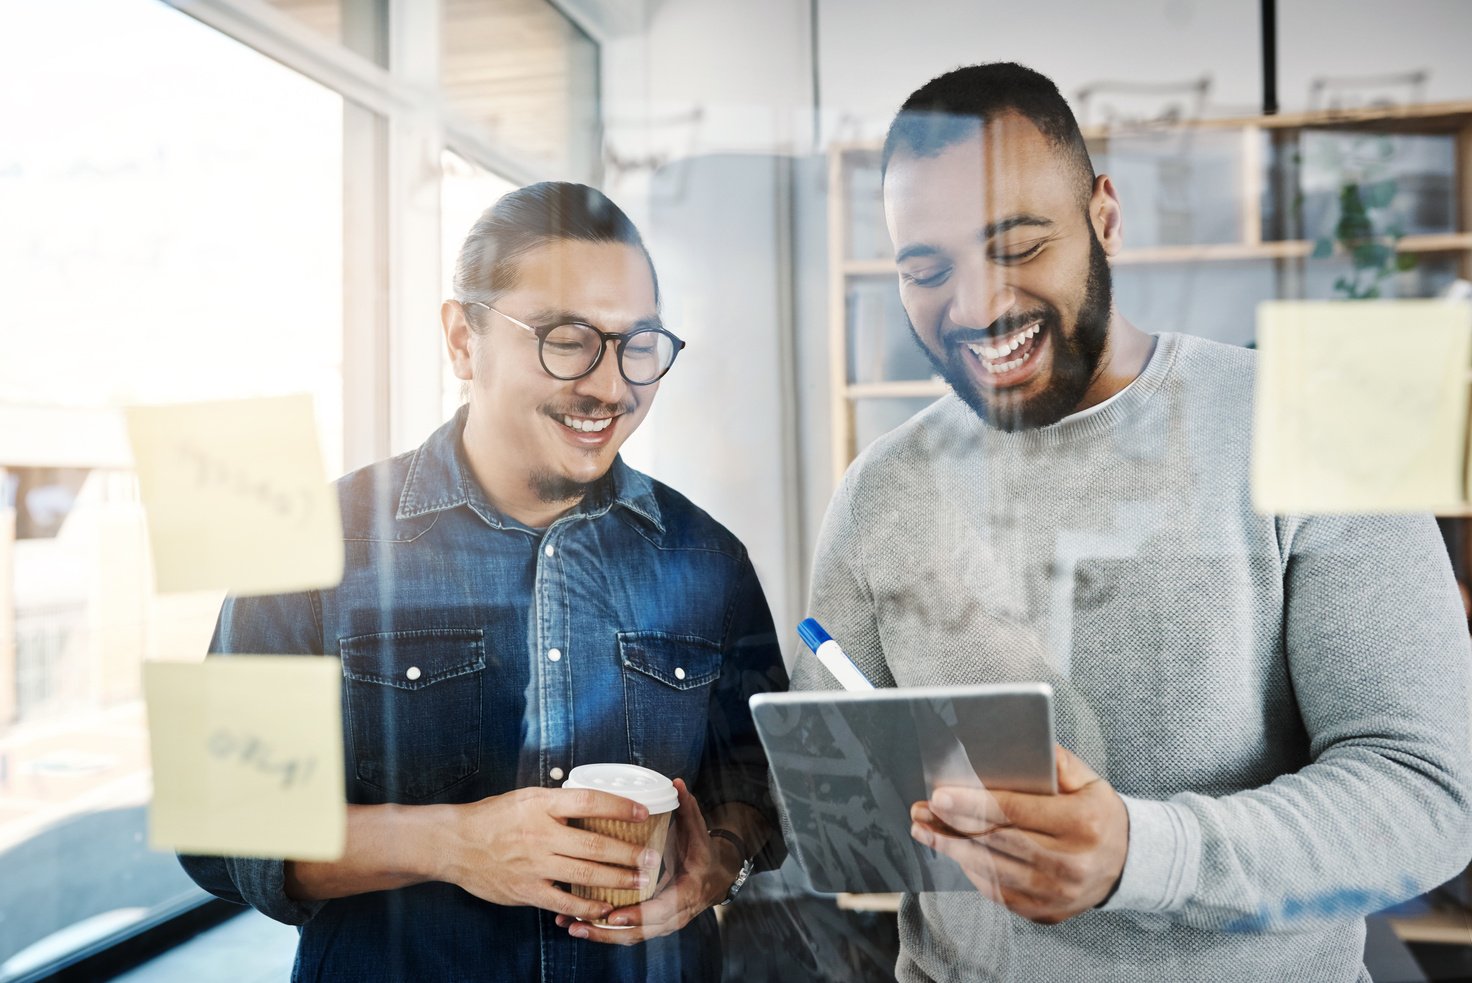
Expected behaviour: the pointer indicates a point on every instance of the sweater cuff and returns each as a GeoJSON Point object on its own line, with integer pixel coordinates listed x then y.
{"type": "Point", "coordinates": [1163, 858]}
{"type": "Point", "coordinates": [262, 883]}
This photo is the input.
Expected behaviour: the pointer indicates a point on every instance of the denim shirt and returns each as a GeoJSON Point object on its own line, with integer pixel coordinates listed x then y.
{"type": "Point", "coordinates": [481, 656]}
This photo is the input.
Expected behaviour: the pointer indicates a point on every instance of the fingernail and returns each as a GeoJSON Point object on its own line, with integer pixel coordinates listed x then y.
{"type": "Point", "coordinates": [640, 814]}
{"type": "Point", "coordinates": [619, 920]}
{"type": "Point", "coordinates": [648, 858]}
{"type": "Point", "coordinates": [579, 932]}
{"type": "Point", "coordinates": [941, 800]}
{"type": "Point", "coordinates": [920, 834]}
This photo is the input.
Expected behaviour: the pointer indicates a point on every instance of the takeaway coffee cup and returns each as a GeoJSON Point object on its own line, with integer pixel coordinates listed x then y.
{"type": "Point", "coordinates": [650, 789]}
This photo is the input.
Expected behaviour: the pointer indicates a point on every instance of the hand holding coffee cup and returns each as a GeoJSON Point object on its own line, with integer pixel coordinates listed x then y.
{"type": "Point", "coordinates": [650, 789]}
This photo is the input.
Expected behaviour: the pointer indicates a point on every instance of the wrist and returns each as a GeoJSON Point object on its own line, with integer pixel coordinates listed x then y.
{"type": "Point", "coordinates": [434, 838]}
{"type": "Point", "coordinates": [732, 862]}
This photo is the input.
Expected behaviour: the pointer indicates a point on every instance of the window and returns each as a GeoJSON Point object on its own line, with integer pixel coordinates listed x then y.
{"type": "Point", "coordinates": [164, 243]}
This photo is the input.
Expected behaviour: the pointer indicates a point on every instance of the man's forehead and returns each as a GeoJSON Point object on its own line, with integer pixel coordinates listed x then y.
{"type": "Point", "coordinates": [598, 281]}
{"type": "Point", "coordinates": [1005, 168]}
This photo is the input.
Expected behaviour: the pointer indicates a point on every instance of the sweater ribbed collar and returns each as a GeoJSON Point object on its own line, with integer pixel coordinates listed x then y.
{"type": "Point", "coordinates": [1129, 403]}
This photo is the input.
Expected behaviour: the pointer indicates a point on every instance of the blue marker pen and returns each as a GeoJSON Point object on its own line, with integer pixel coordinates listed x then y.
{"type": "Point", "coordinates": [832, 657]}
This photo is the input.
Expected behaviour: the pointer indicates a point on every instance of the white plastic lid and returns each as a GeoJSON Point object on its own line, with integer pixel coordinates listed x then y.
{"type": "Point", "coordinates": [647, 787]}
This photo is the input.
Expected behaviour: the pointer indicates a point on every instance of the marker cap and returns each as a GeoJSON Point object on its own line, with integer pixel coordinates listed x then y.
{"type": "Point", "coordinates": [812, 633]}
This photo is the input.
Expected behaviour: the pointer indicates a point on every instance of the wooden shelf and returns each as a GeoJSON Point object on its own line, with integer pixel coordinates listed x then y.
{"type": "Point", "coordinates": [897, 389]}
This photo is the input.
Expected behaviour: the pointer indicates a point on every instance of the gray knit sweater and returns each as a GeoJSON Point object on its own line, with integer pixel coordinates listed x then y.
{"type": "Point", "coordinates": [1283, 701]}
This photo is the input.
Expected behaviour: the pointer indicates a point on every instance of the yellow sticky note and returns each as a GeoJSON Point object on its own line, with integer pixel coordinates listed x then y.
{"type": "Point", "coordinates": [236, 496]}
{"type": "Point", "coordinates": [1361, 407]}
{"type": "Point", "coordinates": [247, 756]}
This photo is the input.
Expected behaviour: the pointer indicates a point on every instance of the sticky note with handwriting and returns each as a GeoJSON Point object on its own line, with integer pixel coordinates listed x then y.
{"type": "Point", "coordinates": [1361, 407]}
{"type": "Point", "coordinates": [247, 756]}
{"type": "Point", "coordinates": [236, 496]}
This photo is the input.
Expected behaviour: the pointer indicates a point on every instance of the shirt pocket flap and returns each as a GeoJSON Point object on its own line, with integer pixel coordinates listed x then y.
{"type": "Point", "coordinates": [413, 659]}
{"type": "Point", "coordinates": [678, 661]}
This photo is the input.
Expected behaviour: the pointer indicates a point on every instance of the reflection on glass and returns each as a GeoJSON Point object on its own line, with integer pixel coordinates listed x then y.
{"type": "Point", "coordinates": [163, 243]}
{"type": "Point", "coordinates": [523, 74]}
{"type": "Point", "coordinates": [322, 16]}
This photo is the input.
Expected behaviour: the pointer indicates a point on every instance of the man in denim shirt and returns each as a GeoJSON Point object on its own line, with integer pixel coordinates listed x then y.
{"type": "Point", "coordinates": [517, 601]}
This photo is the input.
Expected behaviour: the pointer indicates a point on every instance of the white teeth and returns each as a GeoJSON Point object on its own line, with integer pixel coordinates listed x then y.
{"type": "Point", "coordinates": [1007, 348]}
{"type": "Point", "coordinates": [587, 426]}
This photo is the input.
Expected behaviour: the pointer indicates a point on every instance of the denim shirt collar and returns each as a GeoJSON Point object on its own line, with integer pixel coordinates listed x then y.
{"type": "Point", "coordinates": [440, 478]}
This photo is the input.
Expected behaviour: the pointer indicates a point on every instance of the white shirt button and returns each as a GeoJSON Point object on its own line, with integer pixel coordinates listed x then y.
{"type": "Point", "coordinates": [548, 549]}
{"type": "Point", "coordinates": [556, 774]}
{"type": "Point", "coordinates": [413, 672]}
{"type": "Point", "coordinates": [679, 673]}
{"type": "Point", "coordinates": [554, 655]}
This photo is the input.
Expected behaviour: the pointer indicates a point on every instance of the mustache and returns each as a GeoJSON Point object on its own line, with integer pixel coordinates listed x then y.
{"type": "Point", "coordinates": [1000, 328]}
{"type": "Point", "coordinates": [589, 406]}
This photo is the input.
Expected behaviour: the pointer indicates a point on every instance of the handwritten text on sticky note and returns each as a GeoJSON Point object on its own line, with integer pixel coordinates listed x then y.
{"type": "Point", "coordinates": [1361, 407]}
{"type": "Point", "coordinates": [247, 756]}
{"type": "Point", "coordinates": [236, 496]}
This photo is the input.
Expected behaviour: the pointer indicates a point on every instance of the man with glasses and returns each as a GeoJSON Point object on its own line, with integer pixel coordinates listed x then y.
{"type": "Point", "coordinates": [518, 601]}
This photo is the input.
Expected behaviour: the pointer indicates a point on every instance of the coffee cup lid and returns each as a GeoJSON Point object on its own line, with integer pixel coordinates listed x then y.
{"type": "Point", "coordinates": [645, 786]}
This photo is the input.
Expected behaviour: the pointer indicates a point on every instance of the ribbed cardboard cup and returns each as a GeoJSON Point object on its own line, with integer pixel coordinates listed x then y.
{"type": "Point", "coordinates": [644, 786]}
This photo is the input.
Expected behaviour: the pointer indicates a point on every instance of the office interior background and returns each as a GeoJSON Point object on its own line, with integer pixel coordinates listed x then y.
{"type": "Point", "coordinates": [205, 199]}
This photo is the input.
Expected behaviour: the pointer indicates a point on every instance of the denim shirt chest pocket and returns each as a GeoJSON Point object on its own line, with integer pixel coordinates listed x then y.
{"type": "Point", "coordinates": [413, 701]}
{"type": "Point", "coordinates": [667, 688]}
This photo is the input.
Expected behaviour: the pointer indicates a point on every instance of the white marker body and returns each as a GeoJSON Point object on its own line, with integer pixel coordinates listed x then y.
{"type": "Point", "coordinates": [836, 662]}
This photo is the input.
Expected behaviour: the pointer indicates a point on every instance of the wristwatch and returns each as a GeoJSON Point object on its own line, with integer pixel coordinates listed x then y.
{"type": "Point", "coordinates": [746, 863]}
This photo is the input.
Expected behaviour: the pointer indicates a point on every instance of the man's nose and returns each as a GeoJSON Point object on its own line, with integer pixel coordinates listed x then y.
{"type": "Point", "coordinates": [605, 382]}
{"type": "Point", "coordinates": [981, 296]}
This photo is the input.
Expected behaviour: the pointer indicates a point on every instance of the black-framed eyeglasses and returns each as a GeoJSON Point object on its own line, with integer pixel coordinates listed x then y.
{"type": "Point", "coordinates": [573, 350]}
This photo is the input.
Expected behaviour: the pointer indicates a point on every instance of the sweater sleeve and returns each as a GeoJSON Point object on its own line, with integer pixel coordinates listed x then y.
{"type": "Point", "coordinates": [841, 599]}
{"type": "Point", "coordinates": [1378, 654]}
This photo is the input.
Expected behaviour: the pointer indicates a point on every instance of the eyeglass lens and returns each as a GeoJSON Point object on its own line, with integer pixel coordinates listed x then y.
{"type": "Point", "coordinates": [569, 350]}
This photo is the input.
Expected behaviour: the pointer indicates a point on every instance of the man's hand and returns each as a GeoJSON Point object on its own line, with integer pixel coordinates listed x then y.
{"type": "Point", "coordinates": [510, 849]}
{"type": "Point", "coordinates": [1046, 857]}
{"type": "Point", "coordinates": [701, 876]}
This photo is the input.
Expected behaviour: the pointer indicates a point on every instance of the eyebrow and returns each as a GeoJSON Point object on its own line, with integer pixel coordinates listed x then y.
{"type": "Point", "coordinates": [920, 250]}
{"type": "Point", "coordinates": [552, 316]}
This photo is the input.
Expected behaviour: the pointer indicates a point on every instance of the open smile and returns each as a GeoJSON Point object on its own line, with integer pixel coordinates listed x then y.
{"type": "Point", "coordinates": [1009, 360]}
{"type": "Point", "coordinates": [586, 432]}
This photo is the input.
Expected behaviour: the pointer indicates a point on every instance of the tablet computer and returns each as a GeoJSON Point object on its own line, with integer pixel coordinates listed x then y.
{"type": "Point", "coordinates": [847, 766]}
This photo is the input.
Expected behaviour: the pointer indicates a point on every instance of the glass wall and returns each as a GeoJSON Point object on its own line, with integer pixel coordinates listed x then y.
{"type": "Point", "coordinates": [164, 243]}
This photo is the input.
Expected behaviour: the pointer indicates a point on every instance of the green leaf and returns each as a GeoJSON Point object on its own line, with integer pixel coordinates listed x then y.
{"type": "Point", "coordinates": [1405, 261]}
{"type": "Point", "coordinates": [1323, 248]}
{"type": "Point", "coordinates": [1371, 255]}
{"type": "Point", "coordinates": [1378, 195]}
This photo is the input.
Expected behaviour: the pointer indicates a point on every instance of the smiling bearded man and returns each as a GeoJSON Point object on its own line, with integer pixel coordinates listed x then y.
{"type": "Point", "coordinates": [1263, 719]}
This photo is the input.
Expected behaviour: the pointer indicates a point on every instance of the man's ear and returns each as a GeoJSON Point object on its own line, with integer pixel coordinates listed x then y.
{"type": "Point", "coordinates": [458, 334]}
{"type": "Point", "coordinates": [1106, 216]}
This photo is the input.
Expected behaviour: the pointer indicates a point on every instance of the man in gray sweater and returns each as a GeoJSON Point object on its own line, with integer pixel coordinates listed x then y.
{"type": "Point", "coordinates": [1265, 717]}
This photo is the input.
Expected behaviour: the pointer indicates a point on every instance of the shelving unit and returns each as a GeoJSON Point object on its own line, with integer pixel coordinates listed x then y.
{"type": "Point", "coordinates": [1263, 244]}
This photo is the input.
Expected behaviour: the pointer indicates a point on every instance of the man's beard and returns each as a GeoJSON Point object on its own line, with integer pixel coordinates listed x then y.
{"type": "Point", "coordinates": [553, 488]}
{"type": "Point", "coordinates": [1075, 359]}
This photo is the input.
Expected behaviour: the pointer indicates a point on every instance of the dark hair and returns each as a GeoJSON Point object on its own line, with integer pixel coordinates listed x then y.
{"type": "Point", "coordinates": [954, 106]}
{"type": "Point", "coordinates": [528, 218]}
